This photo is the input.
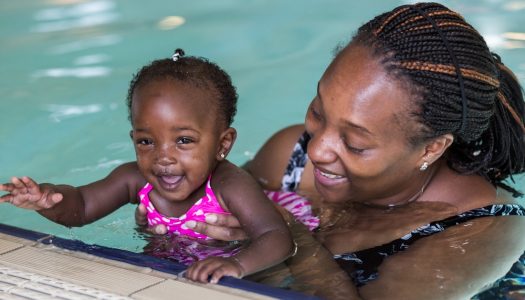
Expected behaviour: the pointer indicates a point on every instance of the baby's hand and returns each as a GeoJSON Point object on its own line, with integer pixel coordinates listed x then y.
{"type": "Point", "coordinates": [216, 267]}
{"type": "Point", "coordinates": [25, 193]}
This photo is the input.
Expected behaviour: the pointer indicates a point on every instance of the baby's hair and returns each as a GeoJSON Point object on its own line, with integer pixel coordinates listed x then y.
{"type": "Point", "coordinates": [460, 87]}
{"type": "Point", "coordinates": [197, 71]}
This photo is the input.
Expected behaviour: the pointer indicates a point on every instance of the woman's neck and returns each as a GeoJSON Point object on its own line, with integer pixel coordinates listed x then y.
{"type": "Point", "coordinates": [429, 176]}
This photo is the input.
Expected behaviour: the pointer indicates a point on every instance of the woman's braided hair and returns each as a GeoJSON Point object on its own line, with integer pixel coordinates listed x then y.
{"type": "Point", "coordinates": [461, 87]}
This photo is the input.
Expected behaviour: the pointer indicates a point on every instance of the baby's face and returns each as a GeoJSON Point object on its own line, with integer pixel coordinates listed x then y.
{"type": "Point", "coordinates": [176, 137]}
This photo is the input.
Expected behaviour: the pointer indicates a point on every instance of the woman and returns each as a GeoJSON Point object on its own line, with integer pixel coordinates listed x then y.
{"type": "Point", "coordinates": [403, 154]}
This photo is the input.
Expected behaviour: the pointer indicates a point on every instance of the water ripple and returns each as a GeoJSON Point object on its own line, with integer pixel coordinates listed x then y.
{"type": "Point", "coordinates": [60, 112]}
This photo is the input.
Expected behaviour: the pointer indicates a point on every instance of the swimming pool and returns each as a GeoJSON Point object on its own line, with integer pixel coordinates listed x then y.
{"type": "Point", "coordinates": [66, 65]}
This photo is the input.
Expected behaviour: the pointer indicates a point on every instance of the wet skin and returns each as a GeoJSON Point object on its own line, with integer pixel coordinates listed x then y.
{"type": "Point", "coordinates": [359, 153]}
{"type": "Point", "coordinates": [179, 141]}
{"type": "Point", "coordinates": [176, 142]}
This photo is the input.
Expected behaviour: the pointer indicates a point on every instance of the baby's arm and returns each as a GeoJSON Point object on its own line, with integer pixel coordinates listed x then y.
{"type": "Point", "coordinates": [75, 206]}
{"type": "Point", "coordinates": [270, 238]}
{"type": "Point", "coordinates": [24, 192]}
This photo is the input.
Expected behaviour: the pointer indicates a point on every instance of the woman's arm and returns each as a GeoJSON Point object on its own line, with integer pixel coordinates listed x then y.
{"type": "Point", "coordinates": [454, 264]}
{"type": "Point", "coordinates": [314, 269]}
{"type": "Point", "coordinates": [269, 163]}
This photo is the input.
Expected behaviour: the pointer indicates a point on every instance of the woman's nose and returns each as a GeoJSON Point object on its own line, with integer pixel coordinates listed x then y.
{"type": "Point", "coordinates": [321, 148]}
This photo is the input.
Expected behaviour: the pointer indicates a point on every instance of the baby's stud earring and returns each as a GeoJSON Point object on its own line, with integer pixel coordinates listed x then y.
{"type": "Point", "coordinates": [424, 166]}
{"type": "Point", "coordinates": [222, 155]}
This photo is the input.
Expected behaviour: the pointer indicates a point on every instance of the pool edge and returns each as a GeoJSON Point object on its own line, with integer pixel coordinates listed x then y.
{"type": "Point", "coordinates": [141, 260]}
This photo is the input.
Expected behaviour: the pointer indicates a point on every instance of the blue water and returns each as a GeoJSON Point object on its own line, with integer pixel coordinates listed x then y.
{"type": "Point", "coordinates": [66, 65]}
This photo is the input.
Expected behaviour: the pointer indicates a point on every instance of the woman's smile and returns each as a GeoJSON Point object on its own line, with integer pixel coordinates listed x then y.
{"type": "Point", "coordinates": [327, 178]}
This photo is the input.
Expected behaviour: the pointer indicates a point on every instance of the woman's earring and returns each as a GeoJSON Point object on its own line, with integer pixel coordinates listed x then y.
{"type": "Point", "coordinates": [222, 155]}
{"type": "Point", "coordinates": [424, 166]}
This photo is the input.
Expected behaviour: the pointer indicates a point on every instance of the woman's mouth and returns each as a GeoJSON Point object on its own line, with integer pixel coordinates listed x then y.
{"type": "Point", "coordinates": [327, 178]}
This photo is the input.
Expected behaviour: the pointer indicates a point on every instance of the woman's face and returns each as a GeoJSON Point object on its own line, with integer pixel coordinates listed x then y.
{"type": "Point", "coordinates": [359, 122]}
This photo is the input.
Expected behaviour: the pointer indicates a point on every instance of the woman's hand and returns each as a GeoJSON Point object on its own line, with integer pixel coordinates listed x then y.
{"type": "Point", "coordinates": [219, 227]}
{"type": "Point", "coordinates": [26, 193]}
{"type": "Point", "coordinates": [142, 221]}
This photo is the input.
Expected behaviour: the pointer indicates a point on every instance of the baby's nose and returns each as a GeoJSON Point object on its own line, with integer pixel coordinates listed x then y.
{"type": "Point", "coordinates": [166, 155]}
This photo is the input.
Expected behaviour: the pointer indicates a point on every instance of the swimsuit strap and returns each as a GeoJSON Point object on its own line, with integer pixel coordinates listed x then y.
{"type": "Point", "coordinates": [143, 194]}
{"type": "Point", "coordinates": [295, 167]}
{"type": "Point", "coordinates": [362, 265]}
{"type": "Point", "coordinates": [208, 191]}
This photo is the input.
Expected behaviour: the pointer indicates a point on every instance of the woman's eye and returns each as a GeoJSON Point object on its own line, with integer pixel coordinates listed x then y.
{"type": "Point", "coordinates": [184, 140]}
{"type": "Point", "coordinates": [355, 150]}
{"type": "Point", "coordinates": [315, 113]}
{"type": "Point", "coordinates": [351, 148]}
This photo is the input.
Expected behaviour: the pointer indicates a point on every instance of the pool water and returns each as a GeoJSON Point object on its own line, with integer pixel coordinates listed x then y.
{"type": "Point", "coordinates": [66, 66]}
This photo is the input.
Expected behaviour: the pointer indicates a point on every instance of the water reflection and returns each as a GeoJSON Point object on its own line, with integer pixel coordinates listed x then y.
{"type": "Point", "coordinates": [187, 250]}
{"type": "Point", "coordinates": [86, 43]}
{"type": "Point", "coordinates": [77, 16]}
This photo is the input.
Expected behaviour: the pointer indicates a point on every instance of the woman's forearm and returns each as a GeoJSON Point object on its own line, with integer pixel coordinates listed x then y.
{"type": "Point", "coordinates": [315, 271]}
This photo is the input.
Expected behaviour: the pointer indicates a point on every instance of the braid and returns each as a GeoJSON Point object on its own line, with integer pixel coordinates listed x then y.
{"type": "Point", "coordinates": [197, 71]}
{"type": "Point", "coordinates": [460, 87]}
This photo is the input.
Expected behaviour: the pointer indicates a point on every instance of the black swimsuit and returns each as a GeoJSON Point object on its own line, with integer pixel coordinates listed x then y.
{"type": "Point", "coordinates": [362, 265]}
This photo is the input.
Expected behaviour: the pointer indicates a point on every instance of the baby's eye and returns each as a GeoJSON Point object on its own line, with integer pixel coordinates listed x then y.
{"type": "Point", "coordinates": [184, 140]}
{"type": "Point", "coordinates": [144, 142]}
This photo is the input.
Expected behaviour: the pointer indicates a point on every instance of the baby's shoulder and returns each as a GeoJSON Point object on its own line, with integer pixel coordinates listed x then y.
{"type": "Point", "coordinates": [128, 174]}
{"type": "Point", "coordinates": [230, 180]}
{"type": "Point", "coordinates": [228, 174]}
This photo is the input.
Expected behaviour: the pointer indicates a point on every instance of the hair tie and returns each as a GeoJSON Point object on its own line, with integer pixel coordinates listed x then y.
{"type": "Point", "coordinates": [177, 54]}
{"type": "Point", "coordinates": [454, 61]}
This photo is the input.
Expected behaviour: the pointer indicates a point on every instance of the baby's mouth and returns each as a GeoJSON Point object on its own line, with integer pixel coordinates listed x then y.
{"type": "Point", "coordinates": [170, 179]}
{"type": "Point", "coordinates": [169, 182]}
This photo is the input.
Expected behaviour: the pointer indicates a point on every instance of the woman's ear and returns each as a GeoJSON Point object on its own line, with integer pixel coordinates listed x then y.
{"type": "Point", "coordinates": [226, 142]}
{"type": "Point", "coordinates": [131, 134]}
{"type": "Point", "coordinates": [435, 149]}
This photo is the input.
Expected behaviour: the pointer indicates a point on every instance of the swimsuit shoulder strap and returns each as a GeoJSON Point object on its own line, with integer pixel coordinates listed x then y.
{"type": "Point", "coordinates": [144, 192]}
{"type": "Point", "coordinates": [294, 169]}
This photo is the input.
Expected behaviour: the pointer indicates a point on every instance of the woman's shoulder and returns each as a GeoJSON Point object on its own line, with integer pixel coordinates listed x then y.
{"type": "Point", "coordinates": [270, 162]}
{"type": "Point", "coordinates": [454, 264]}
{"type": "Point", "coordinates": [481, 240]}
{"type": "Point", "coordinates": [464, 191]}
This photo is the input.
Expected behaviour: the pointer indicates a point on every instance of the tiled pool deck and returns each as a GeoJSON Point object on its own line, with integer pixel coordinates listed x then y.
{"type": "Point", "coordinates": [38, 266]}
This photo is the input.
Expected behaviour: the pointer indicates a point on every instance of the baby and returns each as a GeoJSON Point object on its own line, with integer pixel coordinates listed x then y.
{"type": "Point", "coordinates": [180, 110]}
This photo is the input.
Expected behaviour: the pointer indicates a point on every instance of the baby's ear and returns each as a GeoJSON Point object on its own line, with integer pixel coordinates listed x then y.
{"type": "Point", "coordinates": [226, 142]}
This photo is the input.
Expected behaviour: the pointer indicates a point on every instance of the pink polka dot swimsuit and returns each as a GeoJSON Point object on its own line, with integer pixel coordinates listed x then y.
{"type": "Point", "coordinates": [175, 225]}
